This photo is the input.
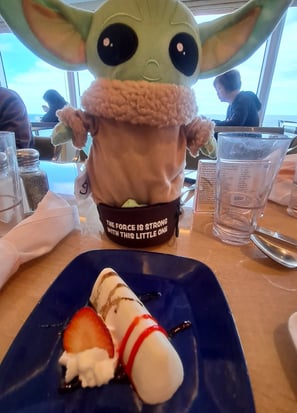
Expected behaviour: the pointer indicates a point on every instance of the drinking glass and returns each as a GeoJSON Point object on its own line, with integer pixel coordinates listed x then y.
{"type": "Point", "coordinates": [11, 206]}
{"type": "Point", "coordinates": [292, 207]}
{"type": "Point", "coordinates": [247, 164]}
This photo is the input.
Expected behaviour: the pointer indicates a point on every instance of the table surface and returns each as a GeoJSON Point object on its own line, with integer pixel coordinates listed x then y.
{"type": "Point", "coordinates": [261, 294]}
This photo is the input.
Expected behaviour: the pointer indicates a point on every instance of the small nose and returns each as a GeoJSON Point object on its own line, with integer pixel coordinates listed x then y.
{"type": "Point", "coordinates": [152, 71]}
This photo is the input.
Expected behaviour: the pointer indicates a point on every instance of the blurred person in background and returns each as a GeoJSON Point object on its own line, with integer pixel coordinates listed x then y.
{"type": "Point", "coordinates": [244, 106]}
{"type": "Point", "coordinates": [14, 117]}
{"type": "Point", "coordinates": [54, 101]}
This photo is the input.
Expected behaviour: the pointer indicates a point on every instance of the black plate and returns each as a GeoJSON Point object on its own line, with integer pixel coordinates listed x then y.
{"type": "Point", "coordinates": [216, 377]}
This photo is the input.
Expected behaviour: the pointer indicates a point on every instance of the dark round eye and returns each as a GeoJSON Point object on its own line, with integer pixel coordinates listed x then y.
{"type": "Point", "coordinates": [117, 44]}
{"type": "Point", "coordinates": [184, 53]}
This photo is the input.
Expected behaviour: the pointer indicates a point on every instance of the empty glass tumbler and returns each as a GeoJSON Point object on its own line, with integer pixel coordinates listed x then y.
{"type": "Point", "coordinates": [11, 206]}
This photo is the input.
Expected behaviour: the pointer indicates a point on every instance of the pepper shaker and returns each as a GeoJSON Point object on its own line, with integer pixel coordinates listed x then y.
{"type": "Point", "coordinates": [34, 179]}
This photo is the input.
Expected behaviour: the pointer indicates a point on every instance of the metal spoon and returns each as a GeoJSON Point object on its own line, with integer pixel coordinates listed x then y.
{"type": "Point", "coordinates": [275, 251]}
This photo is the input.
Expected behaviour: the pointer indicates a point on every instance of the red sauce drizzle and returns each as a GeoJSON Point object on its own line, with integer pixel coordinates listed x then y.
{"type": "Point", "coordinates": [139, 341]}
{"type": "Point", "coordinates": [130, 330]}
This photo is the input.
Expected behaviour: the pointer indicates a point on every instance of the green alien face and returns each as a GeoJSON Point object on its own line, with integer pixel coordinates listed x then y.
{"type": "Point", "coordinates": [151, 40]}
{"type": "Point", "coordinates": [144, 40]}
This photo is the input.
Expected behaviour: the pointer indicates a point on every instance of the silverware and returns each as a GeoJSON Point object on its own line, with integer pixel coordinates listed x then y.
{"type": "Point", "coordinates": [276, 235]}
{"type": "Point", "coordinates": [187, 194]}
{"type": "Point", "coordinates": [275, 251]}
{"type": "Point", "coordinates": [292, 149]}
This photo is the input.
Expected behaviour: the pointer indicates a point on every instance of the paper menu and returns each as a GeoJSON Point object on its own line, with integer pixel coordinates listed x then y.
{"type": "Point", "coordinates": [205, 186]}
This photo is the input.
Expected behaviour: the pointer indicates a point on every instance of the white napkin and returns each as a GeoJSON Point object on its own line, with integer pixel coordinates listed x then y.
{"type": "Point", "coordinates": [38, 234]}
{"type": "Point", "coordinates": [282, 187]}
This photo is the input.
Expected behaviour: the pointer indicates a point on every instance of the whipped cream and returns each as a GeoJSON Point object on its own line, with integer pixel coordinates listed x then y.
{"type": "Point", "coordinates": [93, 367]}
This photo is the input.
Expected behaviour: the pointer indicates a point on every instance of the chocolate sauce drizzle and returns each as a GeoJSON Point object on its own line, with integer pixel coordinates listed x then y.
{"type": "Point", "coordinates": [179, 328]}
{"type": "Point", "coordinates": [111, 301]}
{"type": "Point", "coordinates": [74, 384]}
{"type": "Point", "coordinates": [150, 296]}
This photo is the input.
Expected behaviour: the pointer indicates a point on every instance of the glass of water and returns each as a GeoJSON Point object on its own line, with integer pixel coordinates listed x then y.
{"type": "Point", "coordinates": [247, 164]}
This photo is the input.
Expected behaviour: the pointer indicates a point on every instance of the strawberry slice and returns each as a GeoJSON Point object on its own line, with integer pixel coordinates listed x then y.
{"type": "Point", "coordinates": [87, 330]}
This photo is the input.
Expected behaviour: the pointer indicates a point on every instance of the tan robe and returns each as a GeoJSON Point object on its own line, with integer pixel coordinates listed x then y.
{"type": "Point", "coordinates": [140, 133]}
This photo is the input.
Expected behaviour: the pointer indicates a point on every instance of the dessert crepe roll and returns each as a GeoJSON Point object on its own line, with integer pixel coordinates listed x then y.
{"type": "Point", "coordinates": [148, 357]}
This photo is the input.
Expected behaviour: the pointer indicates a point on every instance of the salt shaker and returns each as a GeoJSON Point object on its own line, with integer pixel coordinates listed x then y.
{"type": "Point", "coordinates": [292, 207]}
{"type": "Point", "coordinates": [34, 179]}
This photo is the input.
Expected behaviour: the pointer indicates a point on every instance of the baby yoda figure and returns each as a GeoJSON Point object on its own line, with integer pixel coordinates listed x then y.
{"type": "Point", "coordinates": [140, 110]}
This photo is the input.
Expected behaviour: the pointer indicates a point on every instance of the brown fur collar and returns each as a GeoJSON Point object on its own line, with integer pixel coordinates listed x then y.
{"type": "Point", "coordinates": [140, 102]}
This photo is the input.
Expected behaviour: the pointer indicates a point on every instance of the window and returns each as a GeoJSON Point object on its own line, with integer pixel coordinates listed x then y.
{"type": "Point", "coordinates": [30, 76]}
{"type": "Point", "coordinates": [281, 104]}
{"type": "Point", "coordinates": [208, 103]}
{"type": "Point", "coordinates": [85, 78]}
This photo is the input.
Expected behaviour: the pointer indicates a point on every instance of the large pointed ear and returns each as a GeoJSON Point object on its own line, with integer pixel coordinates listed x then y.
{"type": "Point", "coordinates": [53, 30]}
{"type": "Point", "coordinates": [231, 39]}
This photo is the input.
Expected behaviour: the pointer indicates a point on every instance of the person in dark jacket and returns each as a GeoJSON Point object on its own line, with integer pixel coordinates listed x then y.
{"type": "Point", "coordinates": [55, 102]}
{"type": "Point", "coordinates": [14, 117]}
{"type": "Point", "coordinates": [243, 106]}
